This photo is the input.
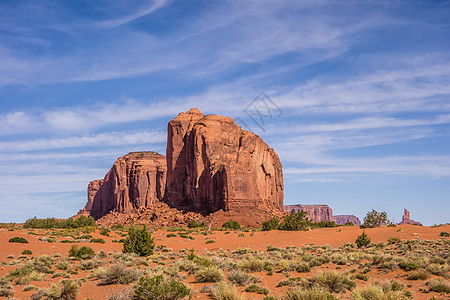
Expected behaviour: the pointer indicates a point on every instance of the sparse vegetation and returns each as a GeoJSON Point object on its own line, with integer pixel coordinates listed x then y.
{"type": "Point", "coordinates": [160, 288]}
{"type": "Point", "coordinates": [139, 241]}
{"type": "Point", "coordinates": [83, 252]}
{"type": "Point", "coordinates": [375, 219]}
{"type": "Point", "coordinates": [209, 274]}
{"type": "Point", "coordinates": [363, 240]}
{"type": "Point", "coordinates": [18, 239]}
{"type": "Point", "coordinates": [296, 221]}
{"type": "Point", "coordinates": [271, 224]}
{"type": "Point", "coordinates": [233, 225]}
{"type": "Point", "coordinates": [52, 223]}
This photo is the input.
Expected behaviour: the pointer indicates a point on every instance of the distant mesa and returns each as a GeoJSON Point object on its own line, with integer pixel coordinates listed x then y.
{"type": "Point", "coordinates": [321, 213]}
{"type": "Point", "coordinates": [407, 220]}
{"type": "Point", "coordinates": [211, 167]}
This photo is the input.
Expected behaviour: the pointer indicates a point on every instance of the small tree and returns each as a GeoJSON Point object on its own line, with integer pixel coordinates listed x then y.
{"type": "Point", "coordinates": [271, 224]}
{"type": "Point", "coordinates": [233, 225]}
{"type": "Point", "coordinates": [375, 219]}
{"type": "Point", "coordinates": [296, 221]}
{"type": "Point", "coordinates": [363, 240]}
{"type": "Point", "coordinates": [139, 241]}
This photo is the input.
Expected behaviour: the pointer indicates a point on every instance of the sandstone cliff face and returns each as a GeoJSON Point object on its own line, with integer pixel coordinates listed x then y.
{"type": "Point", "coordinates": [342, 219]}
{"type": "Point", "coordinates": [135, 180]}
{"type": "Point", "coordinates": [213, 164]}
{"type": "Point", "coordinates": [406, 219]}
{"type": "Point", "coordinates": [316, 213]}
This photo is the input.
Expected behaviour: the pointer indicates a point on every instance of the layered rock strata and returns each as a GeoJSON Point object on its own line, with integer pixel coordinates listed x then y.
{"type": "Point", "coordinates": [213, 164]}
{"type": "Point", "coordinates": [135, 180]}
{"type": "Point", "coordinates": [344, 219]}
{"type": "Point", "coordinates": [316, 213]}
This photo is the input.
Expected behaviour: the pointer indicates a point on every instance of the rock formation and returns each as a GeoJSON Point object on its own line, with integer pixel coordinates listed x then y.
{"type": "Point", "coordinates": [343, 219]}
{"type": "Point", "coordinates": [212, 165]}
{"type": "Point", "coordinates": [316, 213]}
{"type": "Point", "coordinates": [135, 180]}
{"type": "Point", "coordinates": [320, 213]}
{"type": "Point", "coordinates": [407, 220]}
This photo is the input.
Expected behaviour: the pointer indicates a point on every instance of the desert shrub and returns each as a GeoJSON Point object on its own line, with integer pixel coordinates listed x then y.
{"type": "Point", "coordinates": [242, 278]}
{"type": "Point", "coordinates": [139, 241]}
{"type": "Point", "coordinates": [252, 264]}
{"type": "Point", "coordinates": [98, 240]}
{"type": "Point", "coordinates": [118, 273]}
{"type": "Point", "coordinates": [171, 235]}
{"type": "Point", "coordinates": [293, 281]}
{"type": "Point", "coordinates": [160, 288]}
{"type": "Point", "coordinates": [196, 224]}
{"type": "Point", "coordinates": [5, 288]}
{"type": "Point", "coordinates": [66, 289]}
{"type": "Point", "coordinates": [209, 274]}
{"type": "Point", "coordinates": [324, 224]}
{"type": "Point", "coordinates": [62, 265]}
{"type": "Point", "coordinates": [83, 252]}
{"type": "Point", "coordinates": [409, 265]}
{"type": "Point", "coordinates": [27, 252]}
{"type": "Point", "coordinates": [225, 291]}
{"type": "Point", "coordinates": [393, 240]}
{"type": "Point", "coordinates": [418, 275]}
{"type": "Point", "coordinates": [364, 277]}
{"type": "Point", "coordinates": [125, 294]}
{"type": "Point", "coordinates": [105, 231]}
{"type": "Point", "coordinates": [439, 285]}
{"type": "Point", "coordinates": [18, 239]}
{"type": "Point", "coordinates": [271, 224]}
{"type": "Point", "coordinates": [375, 219]}
{"type": "Point", "coordinates": [334, 282]}
{"type": "Point", "coordinates": [313, 293]}
{"type": "Point", "coordinates": [210, 242]}
{"type": "Point", "coordinates": [362, 240]}
{"type": "Point", "coordinates": [302, 268]}
{"type": "Point", "coordinates": [296, 221]}
{"type": "Point", "coordinates": [438, 269]}
{"type": "Point", "coordinates": [254, 288]}
{"type": "Point", "coordinates": [233, 225]}
{"type": "Point", "coordinates": [444, 233]}
{"type": "Point", "coordinates": [378, 291]}
{"type": "Point", "coordinates": [349, 224]}
{"type": "Point", "coordinates": [49, 223]}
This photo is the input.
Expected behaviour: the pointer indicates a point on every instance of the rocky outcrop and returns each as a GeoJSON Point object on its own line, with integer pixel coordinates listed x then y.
{"type": "Point", "coordinates": [316, 213]}
{"type": "Point", "coordinates": [213, 164]}
{"type": "Point", "coordinates": [343, 219]}
{"type": "Point", "coordinates": [406, 219]}
{"type": "Point", "coordinates": [135, 180]}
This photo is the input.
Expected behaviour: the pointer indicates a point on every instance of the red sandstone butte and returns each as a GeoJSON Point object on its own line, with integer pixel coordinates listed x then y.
{"type": "Point", "coordinates": [316, 213]}
{"type": "Point", "coordinates": [135, 180]}
{"type": "Point", "coordinates": [407, 220]}
{"type": "Point", "coordinates": [213, 164]}
{"type": "Point", "coordinates": [344, 219]}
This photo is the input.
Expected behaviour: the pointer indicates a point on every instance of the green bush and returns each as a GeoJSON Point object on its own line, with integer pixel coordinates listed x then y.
{"type": "Point", "coordinates": [29, 252]}
{"type": "Point", "coordinates": [18, 239]}
{"type": "Point", "coordinates": [99, 241]}
{"type": "Point", "coordinates": [257, 289]}
{"type": "Point", "coordinates": [444, 233]}
{"type": "Point", "coordinates": [139, 241]}
{"type": "Point", "coordinates": [409, 265]}
{"type": "Point", "coordinates": [67, 290]}
{"type": "Point", "coordinates": [439, 285]}
{"type": "Point", "coordinates": [418, 275]}
{"type": "Point", "coordinates": [362, 240]}
{"type": "Point", "coordinates": [271, 224]}
{"type": "Point", "coordinates": [160, 288]}
{"type": "Point", "coordinates": [234, 225]}
{"type": "Point", "coordinates": [375, 219]}
{"type": "Point", "coordinates": [118, 273]}
{"type": "Point", "coordinates": [209, 274]}
{"type": "Point", "coordinates": [49, 223]}
{"type": "Point", "coordinates": [195, 224]}
{"type": "Point", "coordinates": [296, 221]}
{"type": "Point", "coordinates": [105, 231]}
{"type": "Point", "coordinates": [324, 224]}
{"type": "Point", "coordinates": [171, 235]}
{"type": "Point", "coordinates": [83, 253]}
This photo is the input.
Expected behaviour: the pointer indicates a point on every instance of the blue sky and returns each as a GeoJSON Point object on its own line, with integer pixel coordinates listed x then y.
{"type": "Point", "coordinates": [359, 91]}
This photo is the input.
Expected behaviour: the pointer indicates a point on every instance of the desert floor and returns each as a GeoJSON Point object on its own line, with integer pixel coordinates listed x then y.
{"type": "Point", "coordinates": [316, 242]}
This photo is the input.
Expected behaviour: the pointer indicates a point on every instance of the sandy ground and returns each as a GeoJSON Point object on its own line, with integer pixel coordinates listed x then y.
{"type": "Point", "coordinates": [257, 240]}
